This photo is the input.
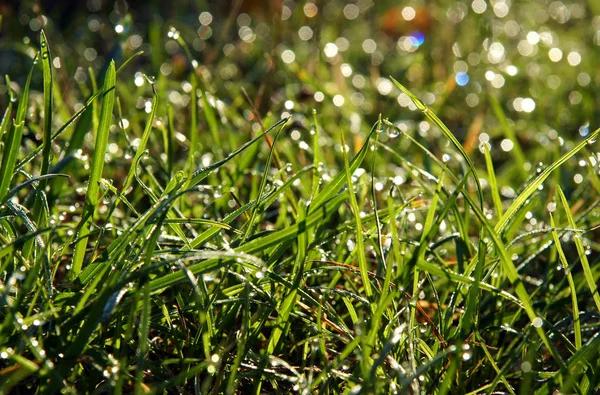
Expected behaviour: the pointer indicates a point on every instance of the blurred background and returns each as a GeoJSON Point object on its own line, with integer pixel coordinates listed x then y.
{"type": "Point", "coordinates": [533, 60]}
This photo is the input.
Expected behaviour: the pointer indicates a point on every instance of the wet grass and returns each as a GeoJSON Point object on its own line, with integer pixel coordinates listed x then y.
{"type": "Point", "coordinates": [150, 245]}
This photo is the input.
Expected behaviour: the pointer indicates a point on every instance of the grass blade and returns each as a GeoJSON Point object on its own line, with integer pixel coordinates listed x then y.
{"type": "Point", "coordinates": [587, 271]}
{"type": "Point", "coordinates": [108, 102]}
{"type": "Point", "coordinates": [360, 247]}
{"type": "Point", "coordinates": [13, 139]}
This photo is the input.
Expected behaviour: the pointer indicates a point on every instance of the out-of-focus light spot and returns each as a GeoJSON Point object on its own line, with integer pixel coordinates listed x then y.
{"type": "Point", "coordinates": [507, 145]}
{"type": "Point", "coordinates": [474, 59]}
{"type": "Point", "coordinates": [578, 178]}
{"type": "Point", "coordinates": [286, 13]}
{"type": "Point", "coordinates": [584, 130]}
{"type": "Point", "coordinates": [501, 9]}
{"type": "Point", "coordinates": [526, 367]}
{"type": "Point", "coordinates": [94, 25]}
{"type": "Point", "coordinates": [553, 81]}
{"type": "Point", "coordinates": [330, 50]}
{"type": "Point", "coordinates": [204, 32]}
{"type": "Point", "coordinates": [575, 97]}
{"type": "Point", "coordinates": [546, 38]}
{"type": "Point", "coordinates": [533, 38]}
{"type": "Point", "coordinates": [56, 63]}
{"type": "Point", "coordinates": [555, 54]}
{"type": "Point", "coordinates": [246, 34]}
{"type": "Point", "coordinates": [135, 41]}
{"type": "Point", "coordinates": [511, 70]}
{"type": "Point", "coordinates": [369, 45]}
{"type": "Point", "coordinates": [512, 28]}
{"type": "Point", "coordinates": [408, 13]}
{"type": "Point", "coordinates": [90, 54]}
{"type": "Point", "coordinates": [119, 29]}
{"type": "Point", "coordinates": [384, 86]}
{"type": "Point", "coordinates": [489, 75]}
{"type": "Point", "coordinates": [319, 96]}
{"type": "Point", "coordinates": [357, 99]}
{"type": "Point", "coordinates": [243, 19]}
{"type": "Point", "coordinates": [525, 48]}
{"type": "Point", "coordinates": [289, 104]}
{"type": "Point", "coordinates": [472, 100]}
{"type": "Point", "coordinates": [496, 54]}
{"type": "Point", "coordinates": [559, 12]}
{"type": "Point", "coordinates": [461, 67]}
{"type": "Point", "coordinates": [528, 104]}
{"type": "Point", "coordinates": [338, 100]}
{"type": "Point", "coordinates": [351, 11]}
{"type": "Point", "coordinates": [205, 18]}
{"type": "Point", "coordinates": [479, 6]}
{"type": "Point", "coordinates": [418, 38]}
{"type": "Point", "coordinates": [574, 58]}
{"type": "Point", "coordinates": [462, 78]}
{"type": "Point", "coordinates": [346, 70]}
{"type": "Point", "coordinates": [584, 79]}
{"type": "Point", "coordinates": [305, 33]}
{"type": "Point", "coordinates": [498, 81]}
{"type": "Point", "coordinates": [310, 10]}
{"type": "Point", "coordinates": [358, 81]}
{"type": "Point", "coordinates": [404, 100]}
{"type": "Point", "coordinates": [288, 56]}
{"type": "Point", "coordinates": [342, 43]}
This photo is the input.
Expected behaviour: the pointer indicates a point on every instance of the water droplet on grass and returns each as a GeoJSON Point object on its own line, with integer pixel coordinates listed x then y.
{"type": "Point", "coordinates": [393, 132]}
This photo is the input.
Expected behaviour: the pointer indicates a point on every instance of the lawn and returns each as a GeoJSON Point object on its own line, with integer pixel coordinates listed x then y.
{"type": "Point", "coordinates": [333, 197]}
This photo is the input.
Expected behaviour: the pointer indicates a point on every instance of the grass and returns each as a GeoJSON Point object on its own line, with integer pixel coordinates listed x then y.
{"type": "Point", "coordinates": [171, 235]}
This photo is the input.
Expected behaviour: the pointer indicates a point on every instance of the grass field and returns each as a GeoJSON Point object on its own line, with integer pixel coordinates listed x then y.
{"type": "Point", "coordinates": [297, 197]}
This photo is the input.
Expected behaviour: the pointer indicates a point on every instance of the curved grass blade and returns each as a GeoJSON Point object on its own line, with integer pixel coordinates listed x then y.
{"type": "Point", "coordinates": [509, 268]}
{"type": "Point", "coordinates": [263, 184]}
{"type": "Point", "coordinates": [201, 174]}
{"type": "Point", "coordinates": [534, 185]}
{"type": "Point", "coordinates": [337, 183]}
{"type": "Point", "coordinates": [447, 133]}
{"type": "Point", "coordinates": [32, 180]}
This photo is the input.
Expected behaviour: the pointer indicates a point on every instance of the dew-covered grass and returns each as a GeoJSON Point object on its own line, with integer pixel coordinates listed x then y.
{"type": "Point", "coordinates": [298, 197]}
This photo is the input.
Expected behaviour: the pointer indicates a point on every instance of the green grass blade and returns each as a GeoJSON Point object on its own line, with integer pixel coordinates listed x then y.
{"type": "Point", "coordinates": [14, 135]}
{"type": "Point", "coordinates": [48, 83]}
{"type": "Point", "coordinates": [360, 247]}
{"type": "Point", "coordinates": [535, 184]}
{"type": "Point", "coordinates": [108, 102]}
{"type": "Point", "coordinates": [447, 133]}
{"type": "Point", "coordinates": [338, 181]}
{"type": "Point", "coordinates": [493, 182]}
{"type": "Point", "coordinates": [511, 271]}
{"type": "Point", "coordinates": [587, 271]}
{"type": "Point", "coordinates": [194, 137]}
{"type": "Point", "coordinates": [565, 264]}
{"type": "Point", "coordinates": [38, 206]}
{"type": "Point", "coordinates": [143, 142]}
{"type": "Point", "coordinates": [206, 171]}
{"type": "Point", "coordinates": [262, 186]}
